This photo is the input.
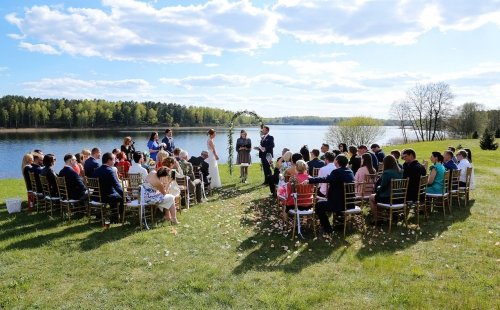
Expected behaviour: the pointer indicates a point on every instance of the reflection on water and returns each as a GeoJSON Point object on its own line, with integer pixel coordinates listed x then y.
{"type": "Point", "coordinates": [14, 145]}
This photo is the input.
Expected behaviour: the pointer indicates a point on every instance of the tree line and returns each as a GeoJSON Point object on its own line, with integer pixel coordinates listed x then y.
{"type": "Point", "coordinates": [428, 111]}
{"type": "Point", "coordinates": [28, 112]}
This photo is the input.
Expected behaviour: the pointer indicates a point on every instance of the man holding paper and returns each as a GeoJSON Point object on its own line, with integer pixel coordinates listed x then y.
{"type": "Point", "coordinates": [266, 152]}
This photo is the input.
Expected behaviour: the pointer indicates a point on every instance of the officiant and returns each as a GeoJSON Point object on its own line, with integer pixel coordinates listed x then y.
{"type": "Point", "coordinates": [243, 147]}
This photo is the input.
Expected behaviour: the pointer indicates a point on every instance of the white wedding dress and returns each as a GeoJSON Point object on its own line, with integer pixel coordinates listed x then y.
{"type": "Point", "coordinates": [213, 168]}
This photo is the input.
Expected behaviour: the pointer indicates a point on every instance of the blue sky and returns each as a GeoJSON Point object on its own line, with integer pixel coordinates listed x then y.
{"type": "Point", "coordinates": [317, 57]}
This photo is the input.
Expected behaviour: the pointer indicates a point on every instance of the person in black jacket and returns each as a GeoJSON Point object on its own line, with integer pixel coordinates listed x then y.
{"type": "Point", "coordinates": [315, 162]}
{"type": "Point", "coordinates": [74, 182]}
{"type": "Point", "coordinates": [200, 162]}
{"type": "Point", "coordinates": [413, 170]}
{"type": "Point", "coordinates": [92, 163]}
{"type": "Point", "coordinates": [36, 168]}
{"type": "Point", "coordinates": [49, 161]}
{"type": "Point", "coordinates": [111, 190]}
{"type": "Point", "coordinates": [335, 196]}
{"type": "Point", "coordinates": [266, 153]}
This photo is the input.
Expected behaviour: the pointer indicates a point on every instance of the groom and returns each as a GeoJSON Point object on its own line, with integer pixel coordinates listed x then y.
{"type": "Point", "coordinates": [266, 147]}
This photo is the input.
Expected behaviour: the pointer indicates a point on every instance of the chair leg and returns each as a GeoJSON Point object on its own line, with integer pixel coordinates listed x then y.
{"type": "Point", "coordinates": [390, 220]}
{"type": "Point", "coordinates": [345, 223]}
{"type": "Point", "coordinates": [294, 224]}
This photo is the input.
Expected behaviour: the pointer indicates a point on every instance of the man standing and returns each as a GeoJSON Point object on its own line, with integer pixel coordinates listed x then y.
{"type": "Point", "coordinates": [111, 190]}
{"type": "Point", "coordinates": [412, 170]}
{"type": "Point", "coordinates": [92, 163]}
{"type": "Point", "coordinates": [169, 141]}
{"type": "Point", "coordinates": [265, 151]}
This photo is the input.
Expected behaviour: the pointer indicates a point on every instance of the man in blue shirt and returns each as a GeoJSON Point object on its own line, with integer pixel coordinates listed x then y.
{"type": "Point", "coordinates": [449, 164]}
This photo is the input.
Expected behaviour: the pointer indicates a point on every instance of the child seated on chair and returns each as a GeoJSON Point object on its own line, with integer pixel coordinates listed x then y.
{"type": "Point", "coordinates": [285, 191]}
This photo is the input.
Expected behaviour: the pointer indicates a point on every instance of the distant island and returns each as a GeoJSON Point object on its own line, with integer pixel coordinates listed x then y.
{"type": "Point", "coordinates": [30, 112]}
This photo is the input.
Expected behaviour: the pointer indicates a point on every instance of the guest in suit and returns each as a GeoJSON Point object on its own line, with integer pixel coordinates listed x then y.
{"type": "Point", "coordinates": [49, 161]}
{"type": "Point", "coordinates": [74, 182]}
{"type": "Point", "coordinates": [187, 170]}
{"type": "Point", "coordinates": [378, 152]}
{"type": "Point", "coordinates": [169, 141]}
{"type": "Point", "coordinates": [315, 162]}
{"type": "Point", "coordinates": [36, 168]}
{"type": "Point", "coordinates": [362, 149]}
{"type": "Point", "coordinates": [200, 161]}
{"type": "Point", "coordinates": [111, 190]}
{"type": "Point", "coordinates": [335, 197]}
{"type": "Point", "coordinates": [265, 151]}
{"type": "Point", "coordinates": [92, 162]}
{"type": "Point", "coordinates": [412, 170]}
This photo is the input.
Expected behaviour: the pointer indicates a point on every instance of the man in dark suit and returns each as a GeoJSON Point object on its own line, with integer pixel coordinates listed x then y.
{"type": "Point", "coordinates": [74, 182]}
{"type": "Point", "coordinates": [169, 141]}
{"type": "Point", "coordinates": [412, 170]}
{"type": "Point", "coordinates": [36, 168]}
{"type": "Point", "coordinates": [266, 150]}
{"type": "Point", "coordinates": [92, 162]}
{"type": "Point", "coordinates": [200, 162]}
{"type": "Point", "coordinates": [362, 149]}
{"type": "Point", "coordinates": [111, 190]}
{"type": "Point", "coordinates": [335, 196]}
{"type": "Point", "coordinates": [315, 162]}
{"type": "Point", "coordinates": [378, 152]}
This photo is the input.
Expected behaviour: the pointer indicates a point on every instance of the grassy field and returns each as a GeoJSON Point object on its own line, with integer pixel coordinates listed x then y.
{"type": "Point", "coordinates": [229, 253]}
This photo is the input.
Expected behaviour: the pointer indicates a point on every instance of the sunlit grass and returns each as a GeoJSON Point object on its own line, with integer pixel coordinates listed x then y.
{"type": "Point", "coordinates": [230, 253]}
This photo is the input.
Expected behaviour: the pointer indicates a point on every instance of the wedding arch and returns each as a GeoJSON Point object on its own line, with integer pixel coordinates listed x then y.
{"type": "Point", "coordinates": [230, 147]}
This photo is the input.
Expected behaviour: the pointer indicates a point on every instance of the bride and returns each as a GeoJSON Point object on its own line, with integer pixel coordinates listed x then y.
{"type": "Point", "coordinates": [213, 168]}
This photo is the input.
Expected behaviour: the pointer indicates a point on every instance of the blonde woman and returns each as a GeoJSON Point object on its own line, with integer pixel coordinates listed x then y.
{"type": "Point", "coordinates": [25, 168]}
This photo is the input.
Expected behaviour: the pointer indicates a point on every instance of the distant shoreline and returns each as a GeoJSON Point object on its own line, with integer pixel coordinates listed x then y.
{"type": "Point", "coordinates": [33, 130]}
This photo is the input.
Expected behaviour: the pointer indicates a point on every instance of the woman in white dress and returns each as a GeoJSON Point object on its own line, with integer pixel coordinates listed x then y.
{"type": "Point", "coordinates": [213, 168]}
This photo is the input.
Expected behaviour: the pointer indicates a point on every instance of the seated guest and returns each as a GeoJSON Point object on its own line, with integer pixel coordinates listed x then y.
{"type": "Point", "coordinates": [335, 201]}
{"type": "Point", "coordinates": [111, 190]}
{"type": "Point", "coordinates": [26, 167]}
{"type": "Point", "coordinates": [292, 170]}
{"type": "Point", "coordinates": [49, 161]}
{"type": "Point", "coordinates": [436, 176]}
{"type": "Point", "coordinates": [449, 164]}
{"type": "Point", "coordinates": [325, 171]}
{"type": "Point", "coordinates": [304, 151]}
{"type": "Point", "coordinates": [79, 164]}
{"type": "Point", "coordinates": [200, 162]}
{"type": "Point", "coordinates": [285, 191]}
{"type": "Point", "coordinates": [355, 160]}
{"type": "Point", "coordinates": [92, 162]}
{"type": "Point", "coordinates": [469, 158]}
{"type": "Point", "coordinates": [463, 164]}
{"type": "Point", "coordinates": [397, 155]}
{"type": "Point", "coordinates": [187, 170]}
{"type": "Point", "coordinates": [324, 148]}
{"type": "Point", "coordinates": [36, 168]}
{"type": "Point", "coordinates": [378, 152]}
{"type": "Point", "coordinates": [343, 149]}
{"type": "Point", "coordinates": [453, 150]}
{"type": "Point", "coordinates": [122, 162]}
{"type": "Point", "coordinates": [115, 152]}
{"type": "Point", "coordinates": [315, 162]}
{"type": "Point", "coordinates": [137, 167]}
{"type": "Point", "coordinates": [157, 192]}
{"type": "Point", "coordinates": [285, 161]}
{"type": "Point", "coordinates": [160, 157]}
{"type": "Point", "coordinates": [365, 169]}
{"type": "Point", "coordinates": [74, 182]}
{"type": "Point", "coordinates": [282, 164]}
{"type": "Point", "coordinates": [176, 153]}
{"type": "Point", "coordinates": [412, 170]}
{"type": "Point", "coordinates": [362, 149]}
{"type": "Point", "coordinates": [383, 191]}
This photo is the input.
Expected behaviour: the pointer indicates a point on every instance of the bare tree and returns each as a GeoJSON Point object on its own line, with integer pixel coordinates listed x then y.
{"type": "Point", "coordinates": [355, 131]}
{"type": "Point", "coordinates": [399, 111]}
{"type": "Point", "coordinates": [427, 108]}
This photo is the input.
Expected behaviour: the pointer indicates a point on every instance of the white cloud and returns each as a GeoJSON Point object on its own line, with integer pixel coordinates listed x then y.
{"type": "Point", "coordinates": [394, 21]}
{"type": "Point", "coordinates": [211, 65]}
{"type": "Point", "coordinates": [41, 48]}
{"type": "Point", "coordinates": [135, 30]}
{"type": "Point", "coordinates": [77, 88]}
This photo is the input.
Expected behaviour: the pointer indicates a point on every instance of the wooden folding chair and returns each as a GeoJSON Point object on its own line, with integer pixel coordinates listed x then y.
{"type": "Point", "coordinates": [304, 197]}
{"type": "Point", "coordinates": [315, 172]}
{"type": "Point", "coordinates": [441, 200]}
{"type": "Point", "coordinates": [186, 194]}
{"type": "Point", "coordinates": [51, 201]}
{"type": "Point", "coordinates": [453, 186]}
{"type": "Point", "coordinates": [38, 195]}
{"type": "Point", "coordinates": [367, 189]}
{"type": "Point", "coordinates": [95, 198]}
{"type": "Point", "coordinates": [464, 190]}
{"type": "Point", "coordinates": [352, 210]}
{"type": "Point", "coordinates": [397, 201]}
{"type": "Point", "coordinates": [72, 205]}
{"type": "Point", "coordinates": [380, 169]}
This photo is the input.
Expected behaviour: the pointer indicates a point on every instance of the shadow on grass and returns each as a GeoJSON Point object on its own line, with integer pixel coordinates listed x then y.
{"type": "Point", "coordinates": [99, 237]}
{"type": "Point", "coordinates": [378, 240]}
{"type": "Point", "coordinates": [272, 247]}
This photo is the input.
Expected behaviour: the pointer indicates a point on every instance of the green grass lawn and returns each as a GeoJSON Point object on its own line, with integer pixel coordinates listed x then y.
{"type": "Point", "coordinates": [229, 253]}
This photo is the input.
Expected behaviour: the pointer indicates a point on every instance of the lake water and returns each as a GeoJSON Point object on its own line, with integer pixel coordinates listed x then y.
{"type": "Point", "coordinates": [14, 145]}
